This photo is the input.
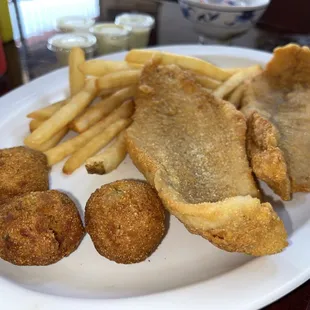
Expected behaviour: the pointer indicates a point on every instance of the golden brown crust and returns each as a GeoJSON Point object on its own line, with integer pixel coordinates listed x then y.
{"type": "Point", "coordinates": [280, 98]}
{"type": "Point", "coordinates": [211, 204]}
{"type": "Point", "coordinates": [125, 220]}
{"type": "Point", "coordinates": [39, 228]}
{"type": "Point", "coordinates": [237, 224]}
{"type": "Point", "coordinates": [22, 170]}
{"type": "Point", "coordinates": [266, 158]}
{"type": "Point", "coordinates": [290, 65]}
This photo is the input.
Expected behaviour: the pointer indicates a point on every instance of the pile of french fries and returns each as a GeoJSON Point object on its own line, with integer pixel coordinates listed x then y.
{"type": "Point", "coordinates": [101, 105]}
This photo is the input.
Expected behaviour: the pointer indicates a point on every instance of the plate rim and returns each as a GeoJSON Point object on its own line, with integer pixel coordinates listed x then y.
{"type": "Point", "coordinates": [177, 298]}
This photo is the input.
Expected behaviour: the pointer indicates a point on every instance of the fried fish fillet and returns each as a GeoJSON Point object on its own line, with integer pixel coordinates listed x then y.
{"type": "Point", "coordinates": [277, 106]}
{"type": "Point", "coordinates": [190, 146]}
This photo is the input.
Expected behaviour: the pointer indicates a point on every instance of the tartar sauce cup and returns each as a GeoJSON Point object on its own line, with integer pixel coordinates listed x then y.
{"type": "Point", "coordinates": [74, 23]}
{"type": "Point", "coordinates": [141, 26]}
{"type": "Point", "coordinates": [61, 44]}
{"type": "Point", "coordinates": [110, 37]}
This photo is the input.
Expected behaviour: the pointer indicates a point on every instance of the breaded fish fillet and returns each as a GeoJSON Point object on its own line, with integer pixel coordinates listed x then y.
{"type": "Point", "coordinates": [277, 105]}
{"type": "Point", "coordinates": [191, 147]}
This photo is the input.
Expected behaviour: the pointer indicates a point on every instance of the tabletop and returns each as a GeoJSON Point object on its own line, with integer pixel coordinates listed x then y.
{"type": "Point", "coordinates": [28, 58]}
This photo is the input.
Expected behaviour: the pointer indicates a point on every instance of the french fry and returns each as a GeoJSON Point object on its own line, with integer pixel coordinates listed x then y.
{"type": "Point", "coordinates": [63, 116]}
{"type": "Point", "coordinates": [110, 159]}
{"type": "Point", "coordinates": [207, 82]}
{"type": "Point", "coordinates": [185, 62]}
{"type": "Point", "coordinates": [99, 67]}
{"type": "Point", "coordinates": [47, 112]}
{"type": "Point", "coordinates": [233, 70]}
{"type": "Point", "coordinates": [94, 113]}
{"type": "Point", "coordinates": [107, 92]}
{"type": "Point", "coordinates": [68, 147]}
{"type": "Point", "coordinates": [76, 77]}
{"type": "Point", "coordinates": [134, 65]}
{"type": "Point", "coordinates": [54, 140]}
{"type": "Point", "coordinates": [34, 124]}
{"type": "Point", "coordinates": [235, 80]}
{"type": "Point", "coordinates": [118, 79]}
{"type": "Point", "coordinates": [236, 96]}
{"type": "Point", "coordinates": [94, 145]}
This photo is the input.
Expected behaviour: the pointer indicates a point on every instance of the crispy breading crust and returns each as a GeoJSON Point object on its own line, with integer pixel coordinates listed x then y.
{"type": "Point", "coordinates": [266, 157]}
{"type": "Point", "coordinates": [126, 220]}
{"type": "Point", "coordinates": [235, 224]}
{"type": "Point", "coordinates": [238, 224]}
{"type": "Point", "coordinates": [278, 135]}
{"type": "Point", "coordinates": [22, 170]}
{"type": "Point", "coordinates": [39, 228]}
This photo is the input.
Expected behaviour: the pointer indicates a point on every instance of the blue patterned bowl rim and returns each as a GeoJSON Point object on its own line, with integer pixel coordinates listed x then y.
{"type": "Point", "coordinates": [221, 8]}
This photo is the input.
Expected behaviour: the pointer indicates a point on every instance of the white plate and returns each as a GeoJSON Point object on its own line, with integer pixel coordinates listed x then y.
{"type": "Point", "coordinates": [186, 271]}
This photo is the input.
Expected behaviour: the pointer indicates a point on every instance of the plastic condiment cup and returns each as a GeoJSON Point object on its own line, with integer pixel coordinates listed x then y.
{"type": "Point", "coordinates": [141, 26]}
{"type": "Point", "coordinates": [61, 44]}
{"type": "Point", "coordinates": [74, 23]}
{"type": "Point", "coordinates": [110, 37]}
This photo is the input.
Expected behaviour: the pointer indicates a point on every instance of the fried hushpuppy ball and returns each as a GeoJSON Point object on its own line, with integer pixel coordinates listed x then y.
{"type": "Point", "coordinates": [125, 220]}
{"type": "Point", "coordinates": [39, 228]}
{"type": "Point", "coordinates": [22, 170]}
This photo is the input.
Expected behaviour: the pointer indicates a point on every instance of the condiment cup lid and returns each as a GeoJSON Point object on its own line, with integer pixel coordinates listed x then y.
{"type": "Point", "coordinates": [110, 29]}
{"type": "Point", "coordinates": [66, 41]}
{"type": "Point", "coordinates": [73, 23]}
{"type": "Point", "coordinates": [135, 20]}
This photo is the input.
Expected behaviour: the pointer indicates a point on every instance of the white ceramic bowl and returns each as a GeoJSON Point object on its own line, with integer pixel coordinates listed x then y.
{"type": "Point", "coordinates": [222, 21]}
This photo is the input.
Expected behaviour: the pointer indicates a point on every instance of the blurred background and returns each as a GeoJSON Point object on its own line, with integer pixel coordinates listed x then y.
{"type": "Point", "coordinates": [33, 22]}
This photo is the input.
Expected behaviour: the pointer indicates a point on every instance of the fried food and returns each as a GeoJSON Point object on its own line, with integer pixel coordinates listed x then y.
{"type": "Point", "coordinates": [76, 77]}
{"type": "Point", "coordinates": [104, 107]}
{"type": "Point", "coordinates": [46, 112]}
{"type": "Point", "coordinates": [110, 159]}
{"type": "Point", "coordinates": [236, 80]}
{"type": "Point", "coordinates": [52, 142]}
{"type": "Point", "coordinates": [125, 220]}
{"type": "Point", "coordinates": [186, 62]}
{"type": "Point", "coordinates": [233, 70]}
{"type": "Point", "coordinates": [277, 107]}
{"type": "Point", "coordinates": [64, 115]}
{"type": "Point", "coordinates": [68, 147]}
{"type": "Point", "coordinates": [118, 79]}
{"type": "Point", "coordinates": [99, 67]}
{"type": "Point", "coordinates": [236, 95]}
{"type": "Point", "coordinates": [34, 124]}
{"type": "Point", "coordinates": [190, 146]}
{"type": "Point", "coordinates": [39, 228]}
{"type": "Point", "coordinates": [95, 145]}
{"type": "Point", "coordinates": [22, 171]}
{"type": "Point", "coordinates": [207, 82]}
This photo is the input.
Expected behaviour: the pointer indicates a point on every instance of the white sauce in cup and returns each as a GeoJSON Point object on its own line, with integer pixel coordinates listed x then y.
{"type": "Point", "coordinates": [61, 44]}
{"type": "Point", "coordinates": [141, 26]}
{"type": "Point", "coordinates": [111, 38]}
{"type": "Point", "coordinates": [74, 23]}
